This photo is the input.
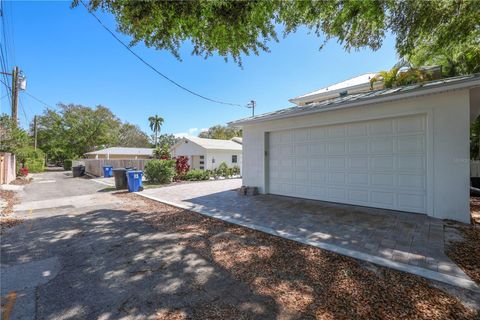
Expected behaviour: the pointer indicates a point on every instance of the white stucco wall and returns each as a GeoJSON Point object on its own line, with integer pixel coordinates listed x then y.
{"type": "Point", "coordinates": [448, 150]}
{"type": "Point", "coordinates": [187, 149]}
{"type": "Point", "coordinates": [222, 156]}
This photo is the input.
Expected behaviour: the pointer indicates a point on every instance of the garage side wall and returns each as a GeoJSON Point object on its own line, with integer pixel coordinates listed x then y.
{"type": "Point", "coordinates": [447, 140]}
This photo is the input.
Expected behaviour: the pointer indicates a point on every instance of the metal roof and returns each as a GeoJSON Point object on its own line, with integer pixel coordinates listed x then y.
{"type": "Point", "coordinates": [374, 96]}
{"type": "Point", "coordinates": [214, 144]}
{"type": "Point", "coordinates": [361, 80]}
{"type": "Point", "coordinates": [124, 151]}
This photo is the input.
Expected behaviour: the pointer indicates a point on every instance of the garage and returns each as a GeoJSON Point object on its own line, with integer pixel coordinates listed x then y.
{"type": "Point", "coordinates": [405, 149]}
{"type": "Point", "coordinates": [379, 163]}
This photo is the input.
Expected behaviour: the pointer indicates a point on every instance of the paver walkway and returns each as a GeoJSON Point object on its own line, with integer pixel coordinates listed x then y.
{"type": "Point", "coordinates": [404, 241]}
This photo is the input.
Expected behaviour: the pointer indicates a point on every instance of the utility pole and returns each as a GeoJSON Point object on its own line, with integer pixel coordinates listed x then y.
{"type": "Point", "coordinates": [251, 105]}
{"type": "Point", "coordinates": [15, 95]}
{"type": "Point", "coordinates": [35, 130]}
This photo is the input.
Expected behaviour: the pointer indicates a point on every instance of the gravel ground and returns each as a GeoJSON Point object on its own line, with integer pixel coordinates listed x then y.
{"type": "Point", "coordinates": [11, 199]}
{"type": "Point", "coordinates": [304, 280]}
{"type": "Point", "coordinates": [466, 253]}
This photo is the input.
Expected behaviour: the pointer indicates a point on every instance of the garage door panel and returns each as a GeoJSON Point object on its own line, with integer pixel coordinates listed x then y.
{"type": "Point", "coordinates": [380, 127]}
{"type": "Point", "coordinates": [413, 202]}
{"type": "Point", "coordinates": [411, 181]}
{"type": "Point", "coordinates": [337, 131]}
{"type": "Point", "coordinates": [381, 145]}
{"type": "Point", "coordinates": [357, 130]}
{"type": "Point", "coordinates": [411, 162]}
{"type": "Point", "coordinates": [358, 146]}
{"type": "Point", "coordinates": [411, 144]}
{"type": "Point", "coordinates": [336, 163]}
{"type": "Point", "coordinates": [359, 179]}
{"type": "Point", "coordinates": [382, 179]}
{"type": "Point", "coordinates": [318, 148]}
{"type": "Point", "coordinates": [358, 163]}
{"type": "Point", "coordinates": [380, 163]}
{"type": "Point", "coordinates": [301, 135]}
{"type": "Point", "coordinates": [358, 196]}
{"type": "Point", "coordinates": [336, 148]}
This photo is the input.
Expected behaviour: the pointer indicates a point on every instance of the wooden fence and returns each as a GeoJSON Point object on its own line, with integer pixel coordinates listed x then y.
{"type": "Point", "coordinates": [7, 167]}
{"type": "Point", "coordinates": [474, 168]}
{"type": "Point", "coordinates": [95, 166]}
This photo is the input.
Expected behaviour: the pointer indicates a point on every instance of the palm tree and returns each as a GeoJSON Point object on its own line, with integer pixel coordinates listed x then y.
{"type": "Point", "coordinates": [155, 124]}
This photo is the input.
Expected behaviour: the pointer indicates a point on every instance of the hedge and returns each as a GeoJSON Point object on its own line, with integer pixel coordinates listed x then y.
{"type": "Point", "coordinates": [160, 171]}
{"type": "Point", "coordinates": [35, 165]}
{"type": "Point", "coordinates": [67, 165]}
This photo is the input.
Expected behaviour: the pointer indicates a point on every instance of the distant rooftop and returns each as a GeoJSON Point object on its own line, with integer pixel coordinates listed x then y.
{"type": "Point", "coordinates": [124, 151]}
{"type": "Point", "coordinates": [370, 97]}
{"type": "Point", "coordinates": [215, 144]}
{"type": "Point", "coordinates": [360, 82]}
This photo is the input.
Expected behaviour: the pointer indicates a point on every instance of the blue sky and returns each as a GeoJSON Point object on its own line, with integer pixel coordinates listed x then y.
{"type": "Point", "coordinates": [69, 58]}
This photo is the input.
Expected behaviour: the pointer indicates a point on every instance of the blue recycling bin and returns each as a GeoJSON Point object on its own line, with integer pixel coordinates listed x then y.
{"type": "Point", "coordinates": [107, 171]}
{"type": "Point", "coordinates": [134, 179]}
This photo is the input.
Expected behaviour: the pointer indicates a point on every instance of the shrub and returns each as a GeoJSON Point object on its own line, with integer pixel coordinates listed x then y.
{"type": "Point", "coordinates": [197, 175]}
{"type": "Point", "coordinates": [162, 153]}
{"type": "Point", "coordinates": [160, 171]}
{"type": "Point", "coordinates": [34, 165]}
{"type": "Point", "coordinates": [222, 170]}
{"type": "Point", "coordinates": [23, 172]}
{"type": "Point", "coordinates": [235, 170]}
{"type": "Point", "coordinates": [181, 166]}
{"type": "Point", "coordinates": [67, 165]}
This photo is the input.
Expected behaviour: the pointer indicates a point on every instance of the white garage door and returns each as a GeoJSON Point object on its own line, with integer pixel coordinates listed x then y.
{"type": "Point", "coordinates": [378, 163]}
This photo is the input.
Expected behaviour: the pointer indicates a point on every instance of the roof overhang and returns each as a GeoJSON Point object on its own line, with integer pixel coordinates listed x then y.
{"type": "Point", "coordinates": [469, 82]}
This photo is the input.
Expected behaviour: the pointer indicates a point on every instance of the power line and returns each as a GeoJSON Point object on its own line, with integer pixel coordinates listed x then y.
{"type": "Point", "coordinates": [23, 110]}
{"type": "Point", "coordinates": [38, 100]}
{"type": "Point", "coordinates": [152, 67]}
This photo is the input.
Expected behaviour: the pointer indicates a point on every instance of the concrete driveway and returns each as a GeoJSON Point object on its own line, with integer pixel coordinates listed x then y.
{"type": "Point", "coordinates": [407, 242]}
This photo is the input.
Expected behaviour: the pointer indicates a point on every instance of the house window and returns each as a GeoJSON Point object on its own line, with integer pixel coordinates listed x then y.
{"type": "Point", "coordinates": [213, 160]}
{"type": "Point", "coordinates": [201, 167]}
{"type": "Point", "coordinates": [234, 159]}
{"type": "Point", "coordinates": [201, 162]}
{"type": "Point", "coordinates": [202, 157]}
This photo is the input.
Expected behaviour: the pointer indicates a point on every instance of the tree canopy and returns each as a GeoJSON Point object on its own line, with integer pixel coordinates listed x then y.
{"type": "Point", "coordinates": [12, 137]}
{"type": "Point", "coordinates": [220, 132]}
{"type": "Point", "coordinates": [130, 135]}
{"type": "Point", "coordinates": [242, 27]}
{"type": "Point", "coordinates": [73, 130]}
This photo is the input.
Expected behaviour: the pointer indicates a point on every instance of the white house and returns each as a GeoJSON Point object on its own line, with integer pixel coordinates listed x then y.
{"type": "Point", "coordinates": [208, 154]}
{"type": "Point", "coordinates": [121, 153]}
{"type": "Point", "coordinates": [405, 148]}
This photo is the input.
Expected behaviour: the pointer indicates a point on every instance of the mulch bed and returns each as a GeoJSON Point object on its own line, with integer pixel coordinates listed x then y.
{"type": "Point", "coordinates": [11, 199]}
{"type": "Point", "coordinates": [21, 181]}
{"type": "Point", "coordinates": [475, 211]}
{"type": "Point", "coordinates": [305, 282]}
{"type": "Point", "coordinates": [466, 253]}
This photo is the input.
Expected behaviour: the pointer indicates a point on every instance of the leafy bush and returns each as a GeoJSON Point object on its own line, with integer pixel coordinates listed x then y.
{"type": "Point", "coordinates": [222, 170]}
{"type": "Point", "coordinates": [235, 170]}
{"type": "Point", "coordinates": [181, 166]}
{"type": "Point", "coordinates": [197, 175]}
{"type": "Point", "coordinates": [34, 165]}
{"type": "Point", "coordinates": [162, 153]}
{"type": "Point", "coordinates": [23, 172]}
{"type": "Point", "coordinates": [160, 171]}
{"type": "Point", "coordinates": [67, 165]}
{"type": "Point", "coordinates": [31, 158]}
